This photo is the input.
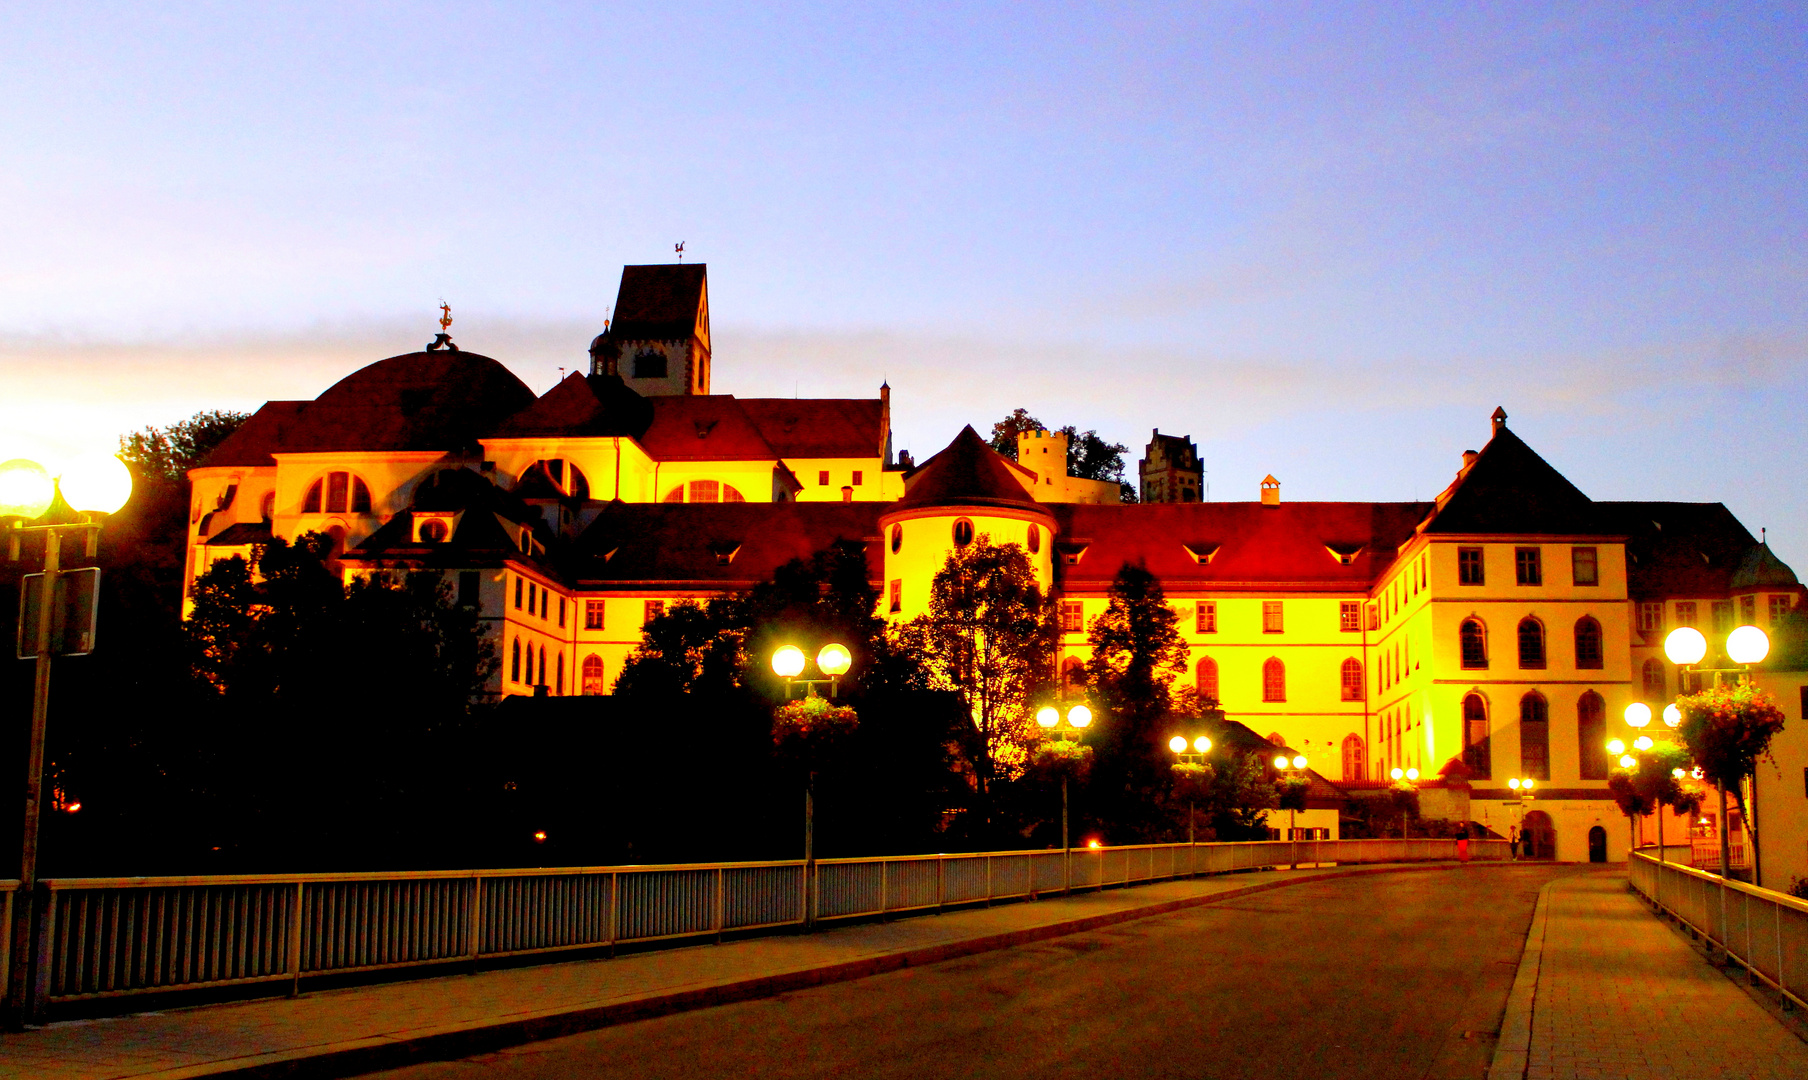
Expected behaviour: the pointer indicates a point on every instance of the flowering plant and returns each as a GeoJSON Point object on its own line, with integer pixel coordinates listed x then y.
{"type": "Point", "coordinates": [1058, 759]}
{"type": "Point", "coordinates": [811, 728]}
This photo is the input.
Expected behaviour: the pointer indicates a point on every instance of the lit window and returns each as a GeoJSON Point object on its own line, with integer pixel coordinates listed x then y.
{"type": "Point", "coordinates": [1352, 679]}
{"type": "Point", "coordinates": [1274, 680]}
{"type": "Point", "coordinates": [1205, 677]}
{"type": "Point", "coordinates": [1205, 617]}
{"type": "Point", "coordinates": [1588, 643]}
{"type": "Point", "coordinates": [1527, 567]}
{"type": "Point", "coordinates": [1531, 643]}
{"type": "Point", "coordinates": [593, 676]}
{"type": "Point", "coordinates": [1349, 616]}
{"type": "Point", "coordinates": [594, 614]}
{"type": "Point", "coordinates": [1474, 640]}
{"type": "Point", "coordinates": [1469, 566]}
{"type": "Point", "coordinates": [1584, 568]}
{"type": "Point", "coordinates": [1271, 616]}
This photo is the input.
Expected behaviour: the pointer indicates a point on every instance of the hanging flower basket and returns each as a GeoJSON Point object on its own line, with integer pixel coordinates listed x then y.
{"type": "Point", "coordinates": [1192, 781]}
{"type": "Point", "coordinates": [1059, 759]}
{"type": "Point", "coordinates": [810, 729]}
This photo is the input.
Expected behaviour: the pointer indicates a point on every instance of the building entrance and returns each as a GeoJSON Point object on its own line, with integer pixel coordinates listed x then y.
{"type": "Point", "coordinates": [1538, 836]}
{"type": "Point", "coordinates": [1597, 844]}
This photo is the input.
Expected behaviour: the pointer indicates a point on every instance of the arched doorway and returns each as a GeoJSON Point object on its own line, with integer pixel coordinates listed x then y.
{"type": "Point", "coordinates": [1538, 836]}
{"type": "Point", "coordinates": [1597, 844]}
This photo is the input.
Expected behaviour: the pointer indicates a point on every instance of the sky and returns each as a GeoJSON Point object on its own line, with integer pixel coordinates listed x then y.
{"type": "Point", "coordinates": [1324, 241]}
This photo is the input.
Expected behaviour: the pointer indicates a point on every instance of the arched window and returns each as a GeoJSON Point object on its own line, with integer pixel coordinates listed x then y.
{"type": "Point", "coordinates": [337, 493]}
{"type": "Point", "coordinates": [897, 538]}
{"type": "Point", "coordinates": [1474, 638]}
{"type": "Point", "coordinates": [1073, 676]}
{"type": "Point", "coordinates": [542, 666]}
{"type": "Point", "coordinates": [1352, 679]}
{"type": "Point", "coordinates": [1205, 677]}
{"type": "Point", "coordinates": [515, 661]}
{"type": "Point", "coordinates": [1654, 680]}
{"type": "Point", "coordinates": [1531, 643]}
{"type": "Point", "coordinates": [963, 533]}
{"type": "Point", "coordinates": [593, 676]}
{"type": "Point", "coordinates": [267, 509]}
{"type": "Point", "coordinates": [1475, 736]}
{"type": "Point", "coordinates": [1355, 758]}
{"type": "Point", "coordinates": [1534, 736]}
{"type": "Point", "coordinates": [1274, 680]}
{"type": "Point", "coordinates": [1588, 643]}
{"type": "Point", "coordinates": [558, 685]}
{"type": "Point", "coordinates": [703, 491]}
{"type": "Point", "coordinates": [1591, 735]}
{"type": "Point", "coordinates": [1035, 540]}
{"type": "Point", "coordinates": [676, 494]}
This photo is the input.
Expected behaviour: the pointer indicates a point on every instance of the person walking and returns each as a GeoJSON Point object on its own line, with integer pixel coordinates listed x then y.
{"type": "Point", "coordinates": [1513, 842]}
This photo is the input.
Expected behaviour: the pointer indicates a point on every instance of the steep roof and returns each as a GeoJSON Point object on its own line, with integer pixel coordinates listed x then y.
{"type": "Point", "coordinates": [1220, 545]}
{"type": "Point", "coordinates": [704, 427]}
{"type": "Point", "coordinates": [716, 545]}
{"type": "Point", "coordinates": [1510, 489]}
{"type": "Point", "coordinates": [660, 303]}
{"type": "Point", "coordinates": [819, 427]}
{"type": "Point", "coordinates": [1761, 569]}
{"type": "Point", "coordinates": [416, 401]}
{"type": "Point", "coordinates": [481, 535]}
{"type": "Point", "coordinates": [1678, 549]}
{"type": "Point", "coordinates": [967, 472]}
{"type": "Point", "coordinates": [582, 406]}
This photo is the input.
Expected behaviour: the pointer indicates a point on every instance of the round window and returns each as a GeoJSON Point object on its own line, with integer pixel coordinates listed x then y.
{"type": "Point", "coordinates": [897, 538]}
{"type": "Point", "coordinates": [1035, 539]}
{"type": "Point", "coordinates": [434, 532]}
{"type": "Point", "coordinates": [963, 533]}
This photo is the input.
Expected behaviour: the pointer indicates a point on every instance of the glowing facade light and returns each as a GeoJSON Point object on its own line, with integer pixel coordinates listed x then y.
{"type": "Point", "coordinates": [834, 660]}
{"type": "Point", "coordinates": [1202, 745]}
{"type": "Point", "coordinates": [26, 489]}
{"type": "Point", "coordinates": [1747, 645]}
{"type": "Point", "coordinates": [788, 662]}
{"type": "Point", "coordinates": [1079, 716]}
{"type": "Point", "coordinates": [1092, 843]}
{"type": "Point", "coordinates": [97, 483]}
{"type": "Point", "coordinates": [1628, 761]}
{"type": "Point", "coordinates": [1672, 715]}
{"type": "Point", "coordinates": [1685, 645]}
{"type": "Point", "coordinates": [1299, 762]}
{"type": "Point", "coordinates": [540, 838]}
{"type": "Point", "coordinates": [1638, 714]}
{"type": "Point", "coordinates": [1643, 742]}
{"type": "Point", "coordinates": [1047, 716]}
{"type": "Point", "coordinates": [1177, 744]}
{"type": "Point", "coordinates": [1616, 746]}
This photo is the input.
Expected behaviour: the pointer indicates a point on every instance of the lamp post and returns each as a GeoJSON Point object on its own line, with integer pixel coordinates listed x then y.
{"type": "Point", "coordinates": [94, 486]}
{"type": "Point", "coordinates": [1078, 718]}
{"type": "Point", "coordinates": [1193, 753]}
{"type": "Point", "coordinates": [1523, 785]}
{"type": "Point", "coordinates": [1284, 764]}
{"type": "Point", "coordinates": [1410, 776]}
{"type": "Point", "coordinates": [1686, 647]}
{"type": "Point", "coordinates": [833, 660]}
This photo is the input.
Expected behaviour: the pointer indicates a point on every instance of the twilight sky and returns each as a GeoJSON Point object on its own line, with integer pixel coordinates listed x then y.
{"type": "Point", "coordinates": [1323, 240]}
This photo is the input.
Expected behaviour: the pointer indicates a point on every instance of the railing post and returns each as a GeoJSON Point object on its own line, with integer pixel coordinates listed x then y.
{"type": "Point", "coordinates": [614, 910]}
{"type": "Point", "coordinates": [476, 921]}
{"type": "Point", "coordinates": [884, 887]}
{"type": "Point", "coordinates": [988, 881]}
{"type": "Point", "coordinates": [6, 943]}
{"type": "Point", "coordinates": [719, 883]}
{"type": "Point", "coordinates": [294, 928]}
{"type": "Point", "coordinates": [941, 883]}
{"type": "Point", "coordinates": [41, 962]}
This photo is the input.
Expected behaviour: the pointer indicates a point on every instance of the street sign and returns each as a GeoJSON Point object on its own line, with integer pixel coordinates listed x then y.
{"type": "Point", "coordinates": [73, 612]}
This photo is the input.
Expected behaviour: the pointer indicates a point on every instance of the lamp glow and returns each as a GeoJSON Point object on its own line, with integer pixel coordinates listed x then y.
{"type": "Point", "coordinates": [1177, 744]}
{"type": "Point", "coordinates": [1747, 645]}
{"type": "Point", "coordinates": [25, 489]}
{"type": "Point", "coordinates": [1678, 773]}
{"type": "Point", "coordinates": [1201, 745]}
{"type": "Point", "coordinates": [1280, 762]}
{"type": "Point", "coordinates": [1672, 715]}
{"type": "Point", "coordinates": [1685, 645]}
{"type": "Point", "coordinates": [1079, 716]}
{"type": "Point", "coordinates": [97, 483]}
{"type": "Point", "coordinates": [834, 660]}
{"type": "Point", "coordinates": [1412, 774]}
{"type": "Point", "coordinates": [1638, 714]}
{"type": "Point", "coordinates": [1526, 784]}
{"type": "Point", "coordinates": [1628, 761]}
{"type": "Point", "coordinates": [1616, 746]}
{"type": "Point", "coordinates": [788, 662]}
{"type": "Point", "coordinates": [1047, 716]}
{"type": "Point", "coordinates": [1514, 783]}
{"type": "Point", "coordinates": [1643, 742]}
{"type": "Point", "coordinates": [1400, 773]}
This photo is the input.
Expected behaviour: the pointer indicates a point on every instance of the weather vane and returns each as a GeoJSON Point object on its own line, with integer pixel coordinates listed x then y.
{"type": "Point", "coordinates": [445, 316]}
{"type": "Point", "coordinates": [679, 248]}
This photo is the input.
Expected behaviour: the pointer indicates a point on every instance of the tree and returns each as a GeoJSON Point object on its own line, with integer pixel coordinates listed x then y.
{"type": "Point", "coordinates": [1654, 782]}
{"type": "Point", "coordinates": [168, 453]}
{"type": "Point", "coordinates": [1726, 730]}
{"type": "Point", "coordinates": [1137, 652]}
{"type": "Point", "coordinates": [1089, 457]}
{"type": "Point", "coordinates": [989, 635]}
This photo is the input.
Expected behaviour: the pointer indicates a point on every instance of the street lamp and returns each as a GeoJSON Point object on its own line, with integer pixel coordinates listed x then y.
{"type": "Point", "coordinates": [788, 661]}
{"type": "Point", "coordinates": [1687, 647]}
{"type": "Point", "coordinates": [1192, 753]}
{"type": "Point", "coordinates": [1283, 764]}
{"type": "Point", "coordinates": [1523, 785]}
{"type": "Point", "coordinates": [94, 486]}
{"type": "Point", "coordinates": [1078, 718]}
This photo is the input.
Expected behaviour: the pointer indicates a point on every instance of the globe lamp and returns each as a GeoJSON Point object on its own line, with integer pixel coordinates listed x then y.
{"type": "Point", "coordinates": [788, 662]}
{"type": "Point", "coordinates": [1643, 742]}
{"type": "Point", "coordinates": [1685, 645]}
{"type": "Point", "coordinates": [1201, 745]}
{"type": "Point", "coordinates": [1079, 716]}
{"type": "Point", "coordinates": [1616, 746]}
{"type": "Point", "coordinates": [25, 489]}
{"type": "Point", "coordinates": [1672, 715]}
{"type": "Point", "coordinates": [1177, 744]}
{"type": "Point", "coordinates": [1047, 716]}
{"type": "Point", "coordinates": [1638, 714]}
{"type": "Point", "coordinates": [834, 660]}
{"type": "Point", "coordinates": [1747, 645]}
{"type": "Point", "coordinates": [96, 483]}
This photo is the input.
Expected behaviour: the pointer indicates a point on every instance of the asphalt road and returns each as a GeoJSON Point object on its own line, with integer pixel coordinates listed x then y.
{"type": "Point", "coordinates": [1388, 975]}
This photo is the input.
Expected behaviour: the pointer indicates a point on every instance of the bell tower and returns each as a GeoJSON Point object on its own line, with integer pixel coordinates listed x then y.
{"type": "Point", "coordinates": [658, 341]}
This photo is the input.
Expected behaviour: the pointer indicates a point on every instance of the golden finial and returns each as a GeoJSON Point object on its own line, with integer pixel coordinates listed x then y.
{"type": "Point", "coordinates": [679, 248]}
{"type": "Point", "coordinates": [445, 316]}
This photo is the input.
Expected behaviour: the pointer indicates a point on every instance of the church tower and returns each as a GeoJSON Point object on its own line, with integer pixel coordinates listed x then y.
{"type": "Point", "coordinates": [658, 341]}
{"type": "Point", "coordinates": [1170, 470]}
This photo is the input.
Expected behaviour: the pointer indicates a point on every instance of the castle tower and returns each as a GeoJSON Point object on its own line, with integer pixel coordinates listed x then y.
{"type": "Point", "coordinates": [1170, 471]}
{"type": "Point", "coordinates": [658, 341]}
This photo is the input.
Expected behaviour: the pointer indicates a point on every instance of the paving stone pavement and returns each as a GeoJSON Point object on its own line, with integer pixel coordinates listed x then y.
{"type": "Point", "coordinates": [1608, 990]}
{"type": "Point", "coordinates": [345, 1031]}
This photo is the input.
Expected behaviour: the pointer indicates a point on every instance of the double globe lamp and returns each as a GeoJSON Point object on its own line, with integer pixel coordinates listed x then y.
{"type": "Point", "coordinates": [93, 484]}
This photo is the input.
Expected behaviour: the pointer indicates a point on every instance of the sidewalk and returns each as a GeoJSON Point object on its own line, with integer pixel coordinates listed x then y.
{"type": "Point", "coordinates": [360, 1029]}
{"type": "Point", "coordinates": [1605, 990]}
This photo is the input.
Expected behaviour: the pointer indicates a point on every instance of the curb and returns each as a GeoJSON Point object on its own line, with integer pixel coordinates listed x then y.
{"type": "Point", "coordinates": [1512, 1054]}
{"type": "Point", "coordinates": [377, 1052]}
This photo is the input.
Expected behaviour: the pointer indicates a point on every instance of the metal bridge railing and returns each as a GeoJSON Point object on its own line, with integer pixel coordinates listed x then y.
{"type": "Point", "coordinates": [1762, 930]}
{"type": "Point", "coordinates": [108, 937]}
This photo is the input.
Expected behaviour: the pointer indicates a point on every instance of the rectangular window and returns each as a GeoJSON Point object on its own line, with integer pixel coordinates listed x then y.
{"type": "Point", "coordinates": [857, 476]}
{"type": "Point", "coordinates": [1073, 616]}
{"type": "Point", "coordinates": [544, 601]}
{"type": "Point", "coordinates": [1779, 608]}
{"type": "Point", "coordinates": [654, 609]}
{"type": "Point", "coordinates": [1651, 617]}
{"type": "Point", "coordinates": [337, 486]}
{"type": "Point", "coordinates": [1205, 617]}
{"type": "Point", "coordinates": [561, 611]}
{"type": "Point", "coordinates": [594, 614]}
{"type": "Point", "coordinates": [1748, 610]}
{"type": "Point", "coordinates": [467, 588]}
{"type": "Point", "coordinates": [1271, 616]}
{"type": "Point", "coordinates": [1583, 566]}
{"type": "Point", "coordinates": [1723, 617]}
{"type": "Point", "coordinates": [822, 478]}
{"type": "Point", "coordinates": [520, 585]}
{"type": "Point", "coordinates": [897, 594]}
{"type": "Point", "coordinates": [1349, 616]}
{"type": "Point", "coordinates": [1685, 613]}
{"type": "Point", "coordinates": [1527, 566]}
{"type": "Point", "coordinates": [1374, 617]}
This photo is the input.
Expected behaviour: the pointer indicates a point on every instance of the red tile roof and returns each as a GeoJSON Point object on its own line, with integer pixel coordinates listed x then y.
{"type": "Point", "coordinates": [582, 406]}
{"type": "Point", "coordinates": [715, 545]}
{"type": "Point", "coordinates": [968, 472]}
{"type": "Point", "coordinates": [704, 428]}
{"type": "Point", "coordinates": [659, 302]}
{"type": "Point", "coordinates": [819, 427]}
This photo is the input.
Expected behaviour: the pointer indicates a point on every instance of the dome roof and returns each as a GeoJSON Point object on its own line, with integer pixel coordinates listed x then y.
{"type": "Point", "coordinates": [1761, 569]}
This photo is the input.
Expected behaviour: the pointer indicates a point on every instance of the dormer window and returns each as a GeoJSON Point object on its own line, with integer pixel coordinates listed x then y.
{"type": "Point", "coordinates": [336, 493]}
{"type": "Point", "coordinates": [1201, 552]}
{"type": "Point", "coordinates": [1345, 554]}
{"type": "Point", "coordinates": [433, 527]}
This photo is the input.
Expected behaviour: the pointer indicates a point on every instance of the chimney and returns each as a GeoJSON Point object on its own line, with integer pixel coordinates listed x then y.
{"type": "Point", "coordinates": [1500, 419]}
{"type": "Point", "coordinates": [885, 421]}
{"type": "Point", "coordinates": [1271, 491]}
{"type": "Point", "coordinates": [1469, 457]}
